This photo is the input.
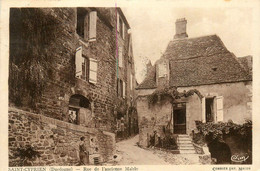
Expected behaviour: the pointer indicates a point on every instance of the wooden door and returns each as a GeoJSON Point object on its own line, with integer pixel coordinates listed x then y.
{"type": "Point", "coordinates": [179, 121]}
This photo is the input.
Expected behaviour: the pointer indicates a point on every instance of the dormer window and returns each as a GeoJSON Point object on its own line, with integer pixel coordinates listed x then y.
{"type": "Point", "coordinates": [162, 67]}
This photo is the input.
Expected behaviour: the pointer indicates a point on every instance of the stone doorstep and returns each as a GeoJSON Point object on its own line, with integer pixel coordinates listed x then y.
{"type": "Point", "coordinates": [184, 138]}
{"type": "Point", "coordinates": [187, 151]}
{"type": "Point", "coordinates": [183, 135]}
{"type": "Point", "coordinates": [185, 148]}
{"type": "Point", "coordinates": [184, 141]}
{"type": "Point", "coordinates": [185, 145]}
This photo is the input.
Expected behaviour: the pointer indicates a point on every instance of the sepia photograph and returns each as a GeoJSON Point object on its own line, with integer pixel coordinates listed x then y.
{"type": "Point", "coordinates": [130, 85]}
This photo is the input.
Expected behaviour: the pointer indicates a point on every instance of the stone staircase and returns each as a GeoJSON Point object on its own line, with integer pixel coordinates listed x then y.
{"type": "Point", "coordinates": [185, 145]}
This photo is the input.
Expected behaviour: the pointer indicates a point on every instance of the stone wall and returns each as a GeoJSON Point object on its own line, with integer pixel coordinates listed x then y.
{"type": "Point", "coordinates": [60, 82]}
{"type": "Point", "coordinates": [152, 118]}
{"type": "Point", "coordinates": [57, 141]}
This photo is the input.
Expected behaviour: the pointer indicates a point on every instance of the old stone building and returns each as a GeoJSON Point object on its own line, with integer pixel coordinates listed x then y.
{"type": "Point", "coordinates": [211, 84]}
{"type": "Point", "coordinates": [74, 67]}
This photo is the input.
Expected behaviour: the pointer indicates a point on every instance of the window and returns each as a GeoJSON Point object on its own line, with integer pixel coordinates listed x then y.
{"type": "Point", "coordinates": [162, 70]}
{"type": "Point", "coordinates": [79, 107]}
{"type": "Point", "coordinates": [213, 109]}
{"type": "Point", "coordinates": [120, 26]}
{"type": "Point", "coordinates": [121, 88]}
{"type": "Point", "coordinates": [131, 81]}
{"type": "Point", "coordinates": [120, 57]}
{"type": "Point", "coordinates": [209, 110]}
{"type": "Point", "coordinates": [86, 24]}
{"type": "Point", "coordinates": [86, 68]}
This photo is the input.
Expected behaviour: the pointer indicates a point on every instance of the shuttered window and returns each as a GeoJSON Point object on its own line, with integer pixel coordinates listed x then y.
{"type": "Point", "coordinates": [162, 70]}
{"type": "Point", "coordinates": [203, 111]}
{"type": "Point", "coordinates": [86, 24]}
{"type": "Point", "coordinates": [123, 31]}
{"type": "Point", "coordinates": [219, 101]}
{"type": "Point", "coordinates": [92, 25]}
{"type": "Point", "coordinates": [120, 57]}
{"type": "Point", "coordinates": [124, 89]}
{"type": "Point", "coordinates": [78, 62]}
{"type": "Point", "coordinates": [92, 70]}
{"type": "Point", "coordinates": [117, 22]}
{"type": "Point", "coordinates": [131, 81]}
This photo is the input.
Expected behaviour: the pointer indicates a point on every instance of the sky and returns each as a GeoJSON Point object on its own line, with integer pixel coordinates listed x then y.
{"type": "Point", "coordinates": [153, 27]}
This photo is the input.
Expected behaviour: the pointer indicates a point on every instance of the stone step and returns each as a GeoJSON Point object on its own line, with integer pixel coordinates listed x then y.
{"type": "Point", "coordinates": [187, 151]}
{"type": "Point", "coordinates": [186, 148]}
{"type": "Point", "coordinates": [184, 138]}
{"type": "Point", "coordinates": [185, 145]}
{"type": "Point", "coordinates": [184, 141]}
{"type": "Point", "coordinates": [183, 135]}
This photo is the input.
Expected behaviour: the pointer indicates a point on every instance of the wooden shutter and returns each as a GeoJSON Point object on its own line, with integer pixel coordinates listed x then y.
{"type": "Point", "coordinates": [92, 25]}
{"type": "Point", "coordinates": [123, 25]}
{"type": "Point", "coordinates": [117, 22]}
{"type": "Point", "coordinates": [219, 102]}
{"type": "Point", "coordinates": [86, 27]}
{"type": "Point", "coordinates": [78, 62]}
{"type": "Point", "coordinates": [120, 56]}
{"type": "Point", "coordinates": [92, 70]}
{"type": "Point", "coordinates": [131, 81]}
{"type": "Point", "coordinates": [124, 89]}
{"type": "Point", "coordinates": [203, 109]}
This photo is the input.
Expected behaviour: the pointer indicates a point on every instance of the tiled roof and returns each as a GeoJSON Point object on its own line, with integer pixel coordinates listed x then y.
{"type": "Point", "coordinates": [199, 61]}
{"type": "Point", "coordinates": [246, 63]}
{"type": "Point", "coordinates": [150, 80]}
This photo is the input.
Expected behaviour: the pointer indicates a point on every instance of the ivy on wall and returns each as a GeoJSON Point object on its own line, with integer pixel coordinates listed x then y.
{"type": "Point", "coordinates": [33, 43]}
{"type": "Point", "coordinates": [160, 95]}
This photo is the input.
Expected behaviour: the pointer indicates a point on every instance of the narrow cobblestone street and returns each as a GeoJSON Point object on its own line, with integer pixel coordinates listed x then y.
{"type": "Point", "coordinates": [129, 153]}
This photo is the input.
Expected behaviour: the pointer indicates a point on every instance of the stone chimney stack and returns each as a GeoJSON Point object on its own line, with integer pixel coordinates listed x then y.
{"type": "Point", "coordinates": [180, 25]}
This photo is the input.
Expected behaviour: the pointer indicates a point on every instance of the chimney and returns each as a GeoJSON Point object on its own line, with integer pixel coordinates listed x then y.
{"type": "Point", "coordinates": [180, 25]}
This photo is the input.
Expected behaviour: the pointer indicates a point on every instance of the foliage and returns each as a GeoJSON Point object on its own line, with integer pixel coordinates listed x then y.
{"type": "Point", "coordinates": [218, 131]}
{"type": "Point", "coordinates": [167, 140]}
{"type": "Point", "coordinates": [26, 154]}
{"type": "Point", "coordinates": [33, 35]}
{"type": "Point", "coordinates": [170, 92]}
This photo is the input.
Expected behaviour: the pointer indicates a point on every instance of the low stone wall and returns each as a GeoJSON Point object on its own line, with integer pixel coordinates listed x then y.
{"type": "Point", "coordinates": [57, 141]}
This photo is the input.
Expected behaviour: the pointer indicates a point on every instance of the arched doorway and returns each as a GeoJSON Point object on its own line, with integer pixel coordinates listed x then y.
{"type": "Point", "coordinates": [79, 110]}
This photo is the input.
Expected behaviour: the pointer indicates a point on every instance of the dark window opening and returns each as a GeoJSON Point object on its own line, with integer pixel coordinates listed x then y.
{"type": "Point", "coordinates": [119, 88]}
{"type": "Point", "coordinates": [209, 110]}
{"type": "Point", "coordinates": [82, 22]}
{"type": "Point", "coordinates": [121, 27]}
{"type": "Point", "coordinates": [75, 103]}
{"type": "Point", "coordinates": [85, 68]}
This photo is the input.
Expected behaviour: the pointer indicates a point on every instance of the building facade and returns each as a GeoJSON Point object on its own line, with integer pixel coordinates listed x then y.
{"type": "Point", "coordinates": [209, 84]}
{"type": "Point", "coordinates": [73, 65]}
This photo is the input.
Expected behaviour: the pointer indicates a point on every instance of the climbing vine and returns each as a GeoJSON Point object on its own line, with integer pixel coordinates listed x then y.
{"type": "Point", "coordinates": [216, 131]}
{"type": "Point", "coordinates": [170, 92]}
{"type": "Point", "coordinates": [33, 35]}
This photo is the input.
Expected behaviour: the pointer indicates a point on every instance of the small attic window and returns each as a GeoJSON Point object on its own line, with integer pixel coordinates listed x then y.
{"type": "Point", "coordinates": [214, 68]}
{"type": "Point", "coordinates": [162, 70]}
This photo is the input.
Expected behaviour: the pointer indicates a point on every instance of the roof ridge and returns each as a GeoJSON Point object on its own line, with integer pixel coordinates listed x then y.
{"type": "Point", "coordinates": [190, 38]}
{"type": "Point", "coordinates": [180, 59]}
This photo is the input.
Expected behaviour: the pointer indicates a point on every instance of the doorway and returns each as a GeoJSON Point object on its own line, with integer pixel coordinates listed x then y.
{"type": "Point", "coordinates": [179, 118]}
